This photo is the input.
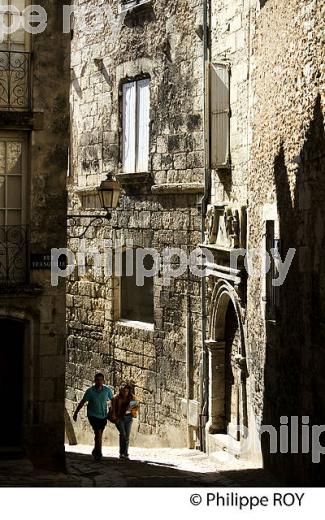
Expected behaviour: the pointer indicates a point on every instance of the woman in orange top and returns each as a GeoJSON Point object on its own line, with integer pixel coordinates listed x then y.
{"type": "Point", "coordinates": [124, 408]}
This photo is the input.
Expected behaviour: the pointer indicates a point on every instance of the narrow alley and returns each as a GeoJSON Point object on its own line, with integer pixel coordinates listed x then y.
{"type": "Point", "coordinates": [161, 467]}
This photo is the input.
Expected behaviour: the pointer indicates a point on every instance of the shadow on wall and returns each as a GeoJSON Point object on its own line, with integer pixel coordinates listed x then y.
{"type": "Point", "coordinates": [295, 348]}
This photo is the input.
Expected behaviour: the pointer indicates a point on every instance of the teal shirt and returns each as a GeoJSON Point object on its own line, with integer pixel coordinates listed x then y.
{"type": "Point", "coordinates": [97, 401]}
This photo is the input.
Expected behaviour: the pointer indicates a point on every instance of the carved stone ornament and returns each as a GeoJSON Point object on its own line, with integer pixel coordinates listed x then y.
{"type": "Point", "coordinates": [224, 226]}
{"type": "Point", "coordinates": [211, 225]}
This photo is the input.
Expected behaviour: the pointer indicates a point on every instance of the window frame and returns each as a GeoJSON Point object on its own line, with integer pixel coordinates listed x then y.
{"type": "Point", "coordinates": [270, 292]}
{"type": "Point", "coordinates": [8, 45]}
{"type": "Point", "coordinates": [24, 139]}
{"type": "Point", "coordinates": [118, 311]}
{"type": "Point", "coordinates": [136, 79]}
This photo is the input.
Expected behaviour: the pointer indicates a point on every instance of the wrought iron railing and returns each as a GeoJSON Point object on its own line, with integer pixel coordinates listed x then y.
{"type": "Point", "coordinates": [15, 80]}
{"type": "Point", "coordinates": [14, 255]}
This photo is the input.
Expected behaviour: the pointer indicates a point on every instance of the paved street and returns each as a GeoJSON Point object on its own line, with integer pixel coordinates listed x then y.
{"type": "Point", "coordinates": [147, 468]}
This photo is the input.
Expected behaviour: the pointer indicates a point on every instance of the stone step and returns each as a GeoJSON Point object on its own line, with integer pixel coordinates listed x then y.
{"type": "Point", "coordinates": [223, 447]}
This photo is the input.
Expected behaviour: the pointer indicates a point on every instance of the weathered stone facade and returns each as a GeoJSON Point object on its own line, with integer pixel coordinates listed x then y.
{"type": "Point", "coordinates": [34, 149]}
{"type": "Point", "coordinates": [276, 54]}
{"type": "Point", "coordinates": [251, 361]}
{"type": "Point", "coordinates": [158, 209]}
{"type": "Point", "coordinates": [230, 392]}
{"type": "Point", "coordinates": [287, 178]}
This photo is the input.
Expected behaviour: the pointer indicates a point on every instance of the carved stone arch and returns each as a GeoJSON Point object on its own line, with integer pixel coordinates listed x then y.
{"type": "Point", "coordinates": [224, 293]}
{"type": "Point", "coordinates": [227, 399]}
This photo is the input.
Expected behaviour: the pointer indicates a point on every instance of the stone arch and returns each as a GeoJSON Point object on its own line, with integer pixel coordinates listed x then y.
{"type": "Point", "coordinates": [227, 355]}
{"type": "Point", "coordinates": [224, 293]}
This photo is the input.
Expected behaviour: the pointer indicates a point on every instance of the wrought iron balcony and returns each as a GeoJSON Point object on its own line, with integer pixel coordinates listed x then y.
{"type": "Point", "coordinates": [14, 255]}
{"type": "Point", "coordinates": [15, 80]}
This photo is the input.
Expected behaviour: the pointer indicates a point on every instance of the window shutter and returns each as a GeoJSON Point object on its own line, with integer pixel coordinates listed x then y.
{"type": "Point", "coordinates": [143, 115]}
{"type": "Point", "coordinates": [219, 115]}
{"type": "Point", "coordinates": [129, 127]}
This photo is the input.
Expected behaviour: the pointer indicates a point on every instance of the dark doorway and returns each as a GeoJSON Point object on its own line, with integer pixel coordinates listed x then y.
{"type": "Point", "coordinates": [11, 382]}
{"type": "Point", "coordinates": [232, 383]}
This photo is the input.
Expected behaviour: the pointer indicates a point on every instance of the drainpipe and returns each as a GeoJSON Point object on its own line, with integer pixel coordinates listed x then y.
{"type": "Point", "coordinates": [189, 361]}
{"type": "Point", "coordinates": [204, 203]}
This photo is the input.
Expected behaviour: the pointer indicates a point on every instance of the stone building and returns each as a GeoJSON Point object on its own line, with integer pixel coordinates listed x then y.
{"type": "Point", "coordinates": [224, 102]}
{"type": "Point", "coordinates": [34, 96]}
{"type": "Point", "coordinates": [229, 393]}
{"type": "Point", "coordinates": [286, 183]}
{"type": "Point", "coordinates": [264, 340]}
{"type": "Point", "coordinates": [137, 112]}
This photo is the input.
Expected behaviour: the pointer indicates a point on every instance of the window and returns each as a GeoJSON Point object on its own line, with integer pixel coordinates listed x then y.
{"type": "Point", "coordinates": [136, 107]}
{"type": "Point", "coordinates": [12, 181]}
{"type": "Point", "coordinates": [20, 39]}
{"type": "Point", "coordinates": [13, 231]}
{"type": "Point", "coordinates": [136, 302]}
{"type": "Point", "coordinates": [15, 62]}
{"type": "Point", "coordinates": [219, 115]}
{"type": "Point", "coordinates": [273, 249]}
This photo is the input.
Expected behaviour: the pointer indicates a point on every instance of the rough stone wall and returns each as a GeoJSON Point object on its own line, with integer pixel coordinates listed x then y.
{"type": "Point", "coordinates": [287, 171]}
{"type": "Point", "coordinates": [230, 43]}
{"type": "Point", "coordinates": [164, 44]}
{"type": "Point", "coordinates": [232, 25]}
{"type": "Point", "coordinates": [40, 305]}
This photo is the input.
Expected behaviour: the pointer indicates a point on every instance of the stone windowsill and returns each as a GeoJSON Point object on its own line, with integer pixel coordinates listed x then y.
{"type": "Point", "coordinates": [21, 290]}
{"type": "Point", "coordinates": [136, 324]}
{"type": "Point", "coordinates": [133, 178]}
{"type": "Point", "coordinates": [22, 119]}
{"type": "Point", "coordinates": [134, 6]}
{"type": "Point", "coordinates": [181, 188]}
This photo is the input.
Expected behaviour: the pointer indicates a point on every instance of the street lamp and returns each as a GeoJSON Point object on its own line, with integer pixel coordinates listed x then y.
{"type": "Point", "coordinates": [109, 193]}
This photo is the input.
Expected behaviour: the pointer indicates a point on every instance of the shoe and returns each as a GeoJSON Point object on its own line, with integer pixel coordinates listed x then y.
{"type": "Point", "coordinates": [123, 457]}
{"type": "Point", "coordinates": [96, 455]}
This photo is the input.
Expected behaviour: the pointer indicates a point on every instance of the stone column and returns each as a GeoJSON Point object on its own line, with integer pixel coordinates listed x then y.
{"type": "Point", "coordinates": [216, 422]}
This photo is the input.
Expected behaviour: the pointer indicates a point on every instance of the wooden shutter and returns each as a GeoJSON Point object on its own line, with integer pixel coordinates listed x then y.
{"type": "Point", "coordinates": [143, 115]}
{"type": "Point", "coordinates": [219, 115]}
{"type": "Point", "coordinates": [129, 127]}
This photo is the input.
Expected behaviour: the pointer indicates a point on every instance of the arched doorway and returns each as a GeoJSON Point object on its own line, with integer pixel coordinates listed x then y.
{"type": "Point", "coordinates": [227, 365]}
{"type": "Point", "coordinates": [12, 334]}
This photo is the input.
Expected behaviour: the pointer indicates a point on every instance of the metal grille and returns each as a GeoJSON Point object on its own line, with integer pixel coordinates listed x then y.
{"type": "Point", "coordinates": [15, 75]}
{"type": "Point", "coordinates": [14, 263]}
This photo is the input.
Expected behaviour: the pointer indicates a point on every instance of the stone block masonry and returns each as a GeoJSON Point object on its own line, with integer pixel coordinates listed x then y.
{"type": "Point", "coordinates": [160, 42]}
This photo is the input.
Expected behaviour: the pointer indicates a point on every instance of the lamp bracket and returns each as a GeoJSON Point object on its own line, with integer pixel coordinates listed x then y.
{"type": "Point", "coordinates": [101, 219]}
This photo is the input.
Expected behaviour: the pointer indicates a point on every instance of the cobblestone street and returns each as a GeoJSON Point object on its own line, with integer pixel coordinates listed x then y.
{"type": "Point", "coordinates": [147, 468]}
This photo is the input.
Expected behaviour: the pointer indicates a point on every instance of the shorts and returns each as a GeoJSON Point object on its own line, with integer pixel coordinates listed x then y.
{"type": "Point", "coordinates": [97, 424]}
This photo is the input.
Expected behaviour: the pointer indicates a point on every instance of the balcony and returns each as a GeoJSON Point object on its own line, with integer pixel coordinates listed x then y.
{"type": "Point", "coordinates": [14, 255]}
{"type": "Point", "coordinates": [15, 80]}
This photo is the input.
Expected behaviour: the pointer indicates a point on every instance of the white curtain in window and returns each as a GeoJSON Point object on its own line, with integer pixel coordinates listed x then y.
{"type": "Point", "coordinates": [129, 127]}
{"type": "Point", "coordinates": [136, 108]}
{"type": "Point", "coordinates": [143, 103]}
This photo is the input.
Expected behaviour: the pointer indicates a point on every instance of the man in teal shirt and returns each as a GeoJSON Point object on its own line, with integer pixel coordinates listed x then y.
{"type": "Point", "coordinates": [97, 397]}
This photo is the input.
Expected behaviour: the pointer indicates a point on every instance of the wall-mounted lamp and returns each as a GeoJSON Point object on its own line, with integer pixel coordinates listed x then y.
{"type": "Point", "coordinates": [109, 193]}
